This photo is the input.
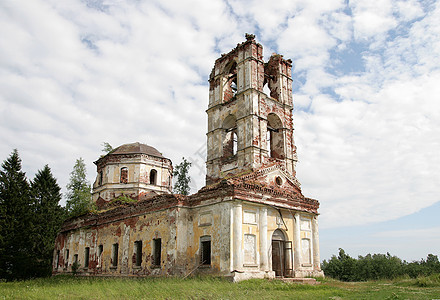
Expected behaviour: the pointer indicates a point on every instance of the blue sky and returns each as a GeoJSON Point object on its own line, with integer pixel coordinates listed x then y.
{"type": "Point", "coordinates": [75, 74]}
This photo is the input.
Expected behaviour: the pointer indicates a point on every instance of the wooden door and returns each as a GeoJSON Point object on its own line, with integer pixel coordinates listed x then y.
{"type": "Point", "coordinates": [278, 258]}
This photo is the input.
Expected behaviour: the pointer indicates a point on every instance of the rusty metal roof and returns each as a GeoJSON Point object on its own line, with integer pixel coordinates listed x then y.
{"type": "Point", "coordinates": [136, 148]}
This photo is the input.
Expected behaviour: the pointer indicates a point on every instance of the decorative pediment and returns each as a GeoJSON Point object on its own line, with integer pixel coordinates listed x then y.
{"type": "Point", "coordinates": [273, 176]}
{"type": "Point", "coordinates": [272, 185]}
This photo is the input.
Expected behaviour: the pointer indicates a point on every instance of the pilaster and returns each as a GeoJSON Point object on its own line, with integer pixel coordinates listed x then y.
{"type": "Point", "coordinates": [237, 232]}
{"type": "Point", "coordinates": [297, 243]}
{"type": "Point", "coordinates": [315, 238]}
{"type": "Point", "coordinates": [264, 257]}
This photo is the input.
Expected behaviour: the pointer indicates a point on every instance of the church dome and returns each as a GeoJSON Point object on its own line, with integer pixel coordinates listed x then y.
{"type": "Point", "coordinates": [136, 148]}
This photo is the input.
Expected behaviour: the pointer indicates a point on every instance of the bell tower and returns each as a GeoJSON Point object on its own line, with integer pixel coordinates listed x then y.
{"type": "Point", "coordinates": [247, 127]}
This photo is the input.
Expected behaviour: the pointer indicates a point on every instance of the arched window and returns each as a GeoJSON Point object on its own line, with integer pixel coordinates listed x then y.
{"type": "Point", "coordinates": [275, 137]}
{"type": "Point", "coordinates": [230, 87]}
{"type": "Point", "coordinates": [234, 86]}
{"type": "Point", "coordinates": [124, 175]}
{"type": "Point", "coordinates": [230, 138]}
{"type": "Point", "coordinates": [153, 176]}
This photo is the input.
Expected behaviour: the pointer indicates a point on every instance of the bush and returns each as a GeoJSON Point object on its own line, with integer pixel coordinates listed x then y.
{"type": "Point", "coordinates": [75, 267]}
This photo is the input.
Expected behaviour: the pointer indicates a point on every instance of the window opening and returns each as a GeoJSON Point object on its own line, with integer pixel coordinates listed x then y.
{"type": "Point", "coordinates": [234, 86]}
{"type": "Point", "coordinates": [157, 249]}
{"type": "Point", "coordinates": [234, 143]}
{"type": "Point", "coordinates": [75, 258]}
{"type": "Point", "coordinates": [274, 137]}
{"type": "Point", "coordinates": [86, 257]}
{"type": "Point", "coordinates": [268, 135]}
{"type": "Point", "coordinates": [66, 263]}
{"type": "Point", "coordinates": [57, 259]}
{"type": "Point", "coordinates": [153, 175]}
{"type": "Point", "coordinates": [124, 175]}
{"type": "Point", "coordinates": [138, 251]}
{"type": "Point", "coordinates": [205, 251]}
{"type": "Point", "coordinates": [230, 87]}
{"type": "Point", "coordinates": [100, 250]}
{"type": "Point", "coordinates": [266, 89]}
{"type": "Point", "coordinates": [100, 178]}
{"type": "Point", "coordinates": [230, 138]}
{"type": "Point", "coordinates": [115, 255]}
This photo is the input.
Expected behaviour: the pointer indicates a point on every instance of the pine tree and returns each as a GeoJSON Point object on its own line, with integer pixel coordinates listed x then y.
{"type": "Point", "coordinates": [16, 221]}
{"type": "Point", "coordinates": [49, 215]}
{"type": "Point", "coordinates": [78, 190]}
{"type": "Point", "coordinates": [181, 173]}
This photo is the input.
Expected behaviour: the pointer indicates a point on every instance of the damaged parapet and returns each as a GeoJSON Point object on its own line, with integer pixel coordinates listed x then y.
{"type": "Point", "coordinates": [248, 128]}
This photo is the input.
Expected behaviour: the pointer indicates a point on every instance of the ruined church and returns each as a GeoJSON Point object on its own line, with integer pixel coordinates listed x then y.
{"type": "Point", "coordinates": [250, 220]}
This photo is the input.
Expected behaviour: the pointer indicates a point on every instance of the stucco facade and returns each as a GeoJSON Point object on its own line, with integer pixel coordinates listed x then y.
{"type": "Point", "coordinates": [249, 221]}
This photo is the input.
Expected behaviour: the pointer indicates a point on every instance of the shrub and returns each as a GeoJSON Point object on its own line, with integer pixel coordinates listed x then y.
{"type": "Point", "coordinates": [75, 267]}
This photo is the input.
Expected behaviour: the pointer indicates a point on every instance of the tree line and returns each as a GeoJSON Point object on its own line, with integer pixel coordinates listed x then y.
{"type": "Point", "coordinates": [31, 216]}
{"type": "Point", "coordinates": [377, 266]}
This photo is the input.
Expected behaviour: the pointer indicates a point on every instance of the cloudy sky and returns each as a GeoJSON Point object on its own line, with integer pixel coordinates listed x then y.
{"type": "Point", "coordinates": [75, 74]}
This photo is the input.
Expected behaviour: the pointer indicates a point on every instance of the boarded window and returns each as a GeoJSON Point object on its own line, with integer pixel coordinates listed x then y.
{"type": "Point", "coordinates": [205, 219]}
{"type": "Point", "coordinates": [305, 224]}
{"type": "Point", "coordinates": [138, 252]}
{"type": "Point", "coordinates": [249, 249]}
{"type": "Point", "coordinates": [86, 257]}
{"type": "Point", "coordinates": [306, 257]}
{"type": "Point", "coordinates": [157, 250]}
{"type": "Point", "coordinates": [124, 175]}
{"type": "Point", "coordinates": [205, 250]}
{"type": "Point", "coordinates": [249, 217]}
{"type": "Point", "coordinates": [115, 250]}
{"type": "Point", "coordinates": [153, 176]}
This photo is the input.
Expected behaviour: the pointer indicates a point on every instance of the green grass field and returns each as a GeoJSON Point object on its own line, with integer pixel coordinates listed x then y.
{"type": "Point", "coordinates": [68, 287]}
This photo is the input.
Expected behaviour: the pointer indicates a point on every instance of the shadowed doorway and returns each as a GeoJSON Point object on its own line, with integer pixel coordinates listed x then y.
{"type": "Point", "coordinates": [281, 255]}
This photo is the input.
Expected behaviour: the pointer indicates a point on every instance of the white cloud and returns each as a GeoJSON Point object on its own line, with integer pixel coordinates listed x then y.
{"type": "Point", "coordinates": [409, 9]}
{"type": "Point", "coordinates": [75, 75]}
{"type": "Point", "coordinates": [372, 19]}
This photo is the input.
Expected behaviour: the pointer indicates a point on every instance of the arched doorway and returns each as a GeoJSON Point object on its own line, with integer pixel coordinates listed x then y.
{"type": "Point", "coordinates": [281, 254]}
